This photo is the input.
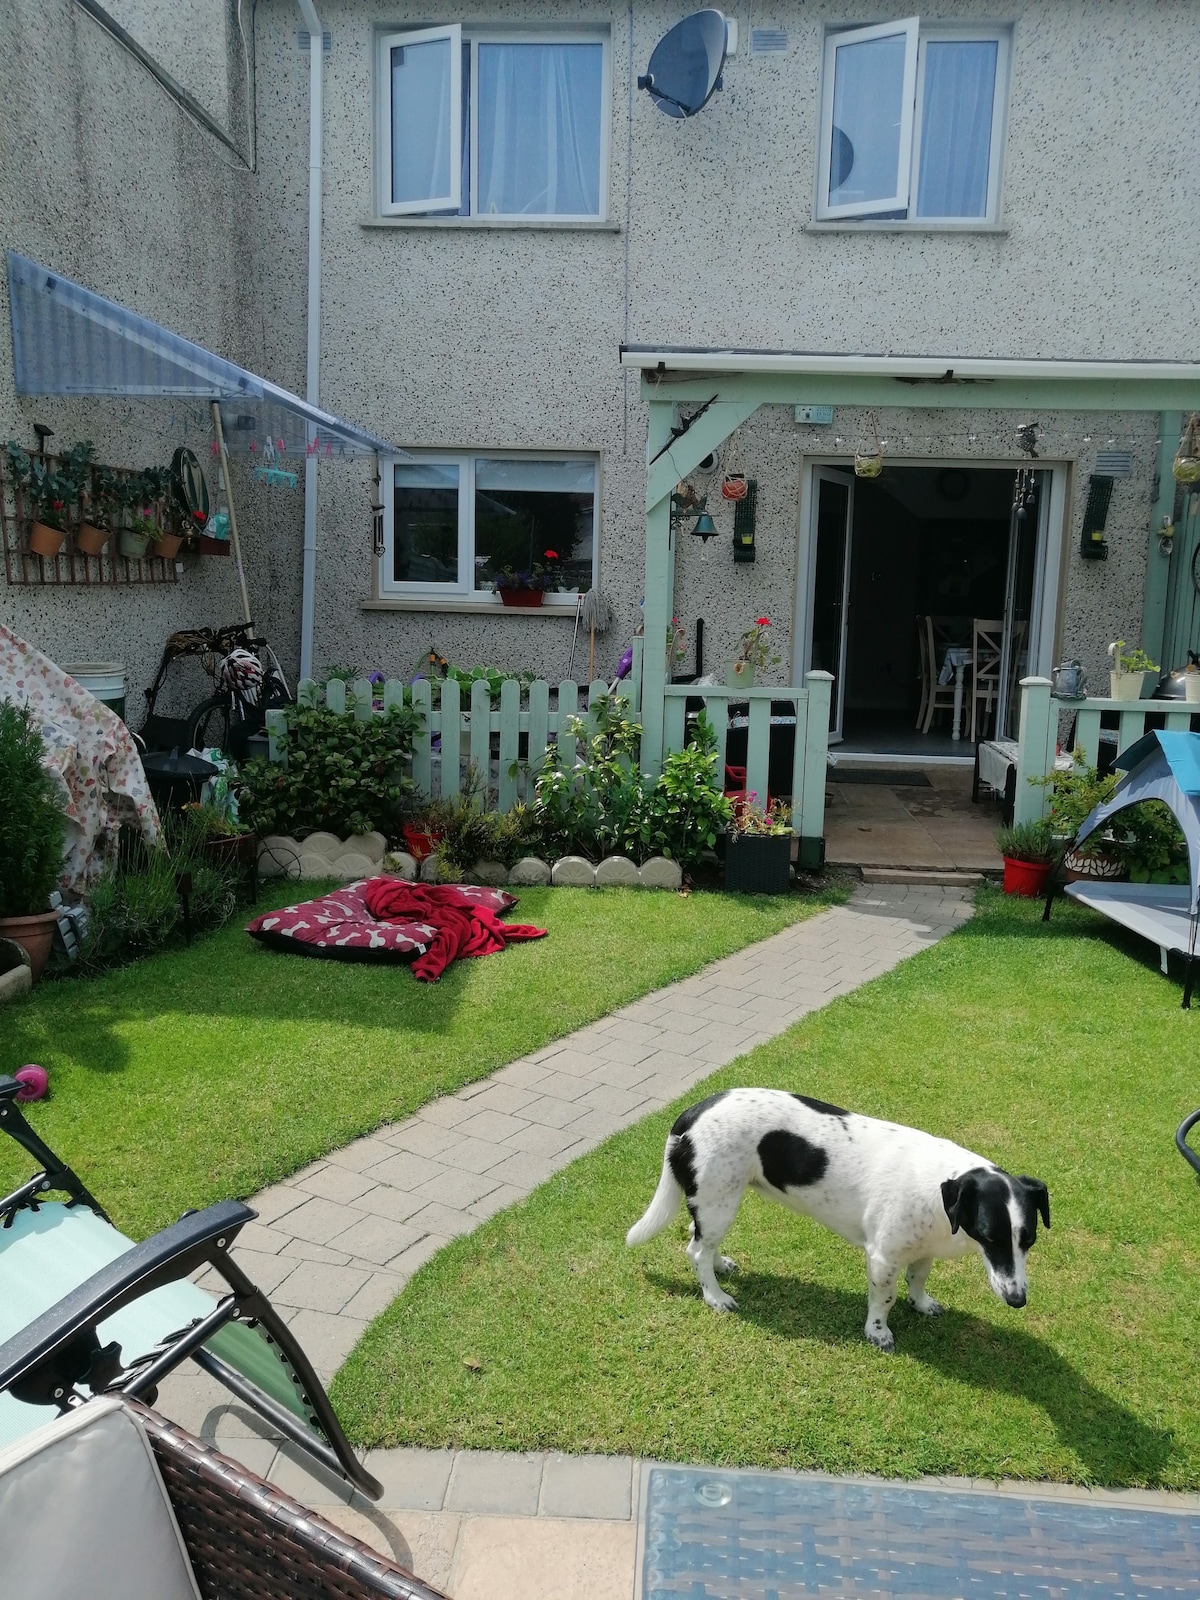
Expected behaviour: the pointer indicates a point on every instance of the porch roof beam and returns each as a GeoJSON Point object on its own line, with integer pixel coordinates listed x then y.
{"type": "Point", "coordinates": [704, 436]}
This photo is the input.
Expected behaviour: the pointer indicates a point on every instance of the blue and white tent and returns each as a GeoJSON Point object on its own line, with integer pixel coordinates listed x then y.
{"type": "Point", "coordinates": [1161, 766]}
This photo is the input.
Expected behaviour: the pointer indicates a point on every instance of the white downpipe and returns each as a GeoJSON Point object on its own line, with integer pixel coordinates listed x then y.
{"type": "Point", "coordinates": [312, 22]}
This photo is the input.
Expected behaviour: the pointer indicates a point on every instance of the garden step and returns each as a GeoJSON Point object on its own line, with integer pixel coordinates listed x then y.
{"type": "Point", "coordinates": [925, 877]}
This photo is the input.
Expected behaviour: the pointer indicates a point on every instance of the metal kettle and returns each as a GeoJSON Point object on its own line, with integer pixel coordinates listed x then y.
{"type": "Point", "coordinates": [1069, 681]}
{"type": "Point", "coordinates": [1170, 685]}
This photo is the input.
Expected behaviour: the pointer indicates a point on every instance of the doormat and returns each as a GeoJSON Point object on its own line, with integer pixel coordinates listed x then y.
{"type": "Point", "coordinates": [895, 777]}
{"type": "Point", "coordinates": [713, 1535]}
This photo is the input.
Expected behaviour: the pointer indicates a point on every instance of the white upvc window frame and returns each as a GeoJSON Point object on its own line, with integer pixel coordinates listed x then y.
{"type": "Point", "coordinates": [948, 33]}
{"type": "Point", "coordinates": [918, 34]}
{"type": "Point", "coordinates": [474, 38]}
{"type": "Point", "coordinates": [452, 32]}
{"type": "Point", "coordinates": [907, 28]}
{"type": "Point", "coordinates": [464, 592]}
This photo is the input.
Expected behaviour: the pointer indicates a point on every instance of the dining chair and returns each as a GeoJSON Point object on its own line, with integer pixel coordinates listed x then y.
{"type": "Point", "coordinates": [935, 696]}
{"type": "Point", "coordinates": [987, 645]}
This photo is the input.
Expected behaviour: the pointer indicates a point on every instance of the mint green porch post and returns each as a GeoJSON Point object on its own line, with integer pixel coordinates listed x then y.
{"type": "Point", "coordinates": [1037, 741]}
{"type": "Point", "coordinates": [1159, 567]}
{"type": "Point", "coordinates": [656, 608]}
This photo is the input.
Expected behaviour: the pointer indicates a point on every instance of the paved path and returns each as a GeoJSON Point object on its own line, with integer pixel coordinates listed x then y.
{"type": "Point", "coordinates": [336, 1243]}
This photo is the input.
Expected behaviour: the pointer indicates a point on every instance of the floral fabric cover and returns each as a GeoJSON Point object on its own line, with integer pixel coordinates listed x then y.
{"type": "Point", "coordinates": [91, 756]}
{"type": "Point", "coordinates": [339, 924]}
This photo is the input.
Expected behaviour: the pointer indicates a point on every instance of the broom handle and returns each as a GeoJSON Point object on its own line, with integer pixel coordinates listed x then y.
{"type": "Point", "coordinates": [591, 652]}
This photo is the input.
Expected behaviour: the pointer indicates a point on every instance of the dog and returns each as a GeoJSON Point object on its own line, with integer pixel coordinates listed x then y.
{"type": "Point", "coordinates": [905, 1197]}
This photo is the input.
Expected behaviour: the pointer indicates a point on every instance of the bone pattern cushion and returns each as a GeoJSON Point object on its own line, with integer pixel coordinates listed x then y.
{"type": "Point", "coordinates": [339, 924]}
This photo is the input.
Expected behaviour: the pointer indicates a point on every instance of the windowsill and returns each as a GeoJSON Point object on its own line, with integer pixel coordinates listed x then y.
{"type": "Point", "coordinates": [485, 606]}
{"type": "Point", "coordinates": [866, 225]}
{"type": "Point", "coordinates": [542, 224]}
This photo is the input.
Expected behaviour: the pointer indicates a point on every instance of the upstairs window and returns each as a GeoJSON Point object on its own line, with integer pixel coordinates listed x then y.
{"type": "Point", "coordinates": [912, 123]}
{"type": "Point", "coordinates": [495, 125]}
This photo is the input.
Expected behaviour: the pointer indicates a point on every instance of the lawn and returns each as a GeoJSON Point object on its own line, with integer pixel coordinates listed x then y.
{"type": "Point", "coordinates": [205, 1073]}
{"type": "Point", "coordinates": [1057, 1051]}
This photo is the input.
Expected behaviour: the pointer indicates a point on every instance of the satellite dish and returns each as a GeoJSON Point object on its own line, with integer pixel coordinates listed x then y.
{"type": "Point", "coordinates": [685, 69]}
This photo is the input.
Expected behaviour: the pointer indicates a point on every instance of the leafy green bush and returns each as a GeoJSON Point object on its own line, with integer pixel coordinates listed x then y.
{"type": "Point", "coordinates": [1145, 836]}
{"type": "Point", "coordinates": [1028, 841]}
{"type": "Point", "coordinates": [605, 805]}
{"type": "Point", "coordinates": [469, 834]}
{"type": "Point", "coordinates": [31, 824]}
{"type": "Point", "coordinates": [136, 908]}
{"type": "Point", "coordinates": [342, 774]}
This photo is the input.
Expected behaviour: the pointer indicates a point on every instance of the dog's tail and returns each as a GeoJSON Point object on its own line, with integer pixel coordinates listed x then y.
{"type": "Point", "coordinates": [661, 1209]}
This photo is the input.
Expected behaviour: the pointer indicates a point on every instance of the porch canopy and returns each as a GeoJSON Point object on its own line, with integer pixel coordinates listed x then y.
{"type": "Point", "coordinates": [722, 388]}
{"type": "Point", "coordinates": [68, 340]}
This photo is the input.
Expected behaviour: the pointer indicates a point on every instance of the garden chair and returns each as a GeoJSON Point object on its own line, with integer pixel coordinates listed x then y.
{"type": "Point", "coordinates": [86, 1312]}
{"type": "Point", "coordinates": [987, 648]}
{"type": "Point", "coordinates": [114, 1502]}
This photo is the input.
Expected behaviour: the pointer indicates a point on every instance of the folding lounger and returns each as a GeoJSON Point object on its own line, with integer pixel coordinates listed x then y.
{"type": "Point", "coordinates": [85, 1312]}
{"type": "Point", "coordinates": [1161, 766]}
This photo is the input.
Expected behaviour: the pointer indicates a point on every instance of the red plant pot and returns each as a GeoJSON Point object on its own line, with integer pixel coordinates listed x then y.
{"type": "Point", "coordinates": [420, 843]}
{"type": "Point", "coordinates": [526, 599]}
{"type": "Point", "coordinates": [1027, 878]}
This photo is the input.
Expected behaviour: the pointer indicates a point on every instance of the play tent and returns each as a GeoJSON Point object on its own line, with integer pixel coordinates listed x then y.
{"type": "Point", "coordinates": [1161, 766]}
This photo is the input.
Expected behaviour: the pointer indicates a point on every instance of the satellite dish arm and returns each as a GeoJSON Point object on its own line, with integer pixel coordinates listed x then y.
{"type": "Point", "coordinates": [647, 82]}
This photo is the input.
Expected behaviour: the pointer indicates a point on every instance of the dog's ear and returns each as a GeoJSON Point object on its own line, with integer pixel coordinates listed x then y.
{"type": "Point", "coordinates": [1040, 1195]}
{"type": "Point", "coordinates": [957, 1195]}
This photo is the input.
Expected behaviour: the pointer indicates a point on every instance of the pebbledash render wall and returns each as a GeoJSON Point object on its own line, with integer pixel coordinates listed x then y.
{"type": "Point", "coordinates": [105, 178]}
{"type": "Point", "coordinates": [460, 335]}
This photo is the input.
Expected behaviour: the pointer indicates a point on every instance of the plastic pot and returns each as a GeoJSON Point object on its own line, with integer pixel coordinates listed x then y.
{"type": "Point", "coordinates": [132, 545]}
{"type": "Point", "coordinates": [1101, 868]}
{"type": "Point", "coordinates": [420, 843]}
{"type": "Point", "coordinates": [90, 540]}
{"type": "Point", "coordinates": [1028, 878]}
{"type": "Point", "coordinates": [45, 540]}
{"type": "Point", "coordinates": [522, 599]}
{"type": "Point", "coordinates": [1126, 685]}
{"type": "Point", "coordinates": [739, 674]}
{"type": "Point", "coordinates": [758, 863]}
{"type": "Point", "coordinates": [166, 546]}
{"type": "Point", "coordinates": [34, 935]}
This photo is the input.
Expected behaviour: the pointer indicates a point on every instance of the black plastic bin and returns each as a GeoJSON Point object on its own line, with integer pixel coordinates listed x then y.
{"type": "Point", "coordinates": [758, 863]}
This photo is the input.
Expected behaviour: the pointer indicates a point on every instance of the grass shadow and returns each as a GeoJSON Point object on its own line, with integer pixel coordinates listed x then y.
{"type": "Point", "coordinates": [1112, 1443]}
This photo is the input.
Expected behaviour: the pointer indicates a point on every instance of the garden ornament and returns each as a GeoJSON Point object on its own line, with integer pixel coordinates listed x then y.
{"type": "Point", "coordinates": [906, 1197]}
{"type": "Point", "coordinates": [1069, 680]}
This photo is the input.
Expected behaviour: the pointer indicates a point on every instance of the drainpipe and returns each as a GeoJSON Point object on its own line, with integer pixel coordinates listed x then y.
{"type": "Point", "coordinates": [312, 22]}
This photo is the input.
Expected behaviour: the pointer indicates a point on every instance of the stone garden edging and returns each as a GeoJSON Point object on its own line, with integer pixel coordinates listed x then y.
{"type": "Point", "coordinates": [363, 855]}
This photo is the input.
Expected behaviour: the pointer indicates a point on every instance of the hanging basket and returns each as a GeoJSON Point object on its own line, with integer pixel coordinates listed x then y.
{"type": "Point", "coordinates": [1185, 468]}
{"type": "Point", "coordinates": [90, 540]}
{"type": "Point", "coordinates": [734, 486]}
{"type": "Point", "coordinates": [45, 540]}
{"type": "Point", "coordinates": [866, 463]}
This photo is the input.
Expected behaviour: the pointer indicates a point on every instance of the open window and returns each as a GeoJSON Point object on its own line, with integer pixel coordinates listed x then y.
{"type": "Point", "coordinates": [499, 125]}
{"type": "Point", "coordinates": [912, 123]}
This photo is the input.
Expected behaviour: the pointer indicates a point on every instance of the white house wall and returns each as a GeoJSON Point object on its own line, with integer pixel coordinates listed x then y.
{"type": "Point", "coordinates": [470, 337]}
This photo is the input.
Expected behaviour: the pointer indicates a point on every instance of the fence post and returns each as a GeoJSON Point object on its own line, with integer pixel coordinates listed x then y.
{"type": "Point", "coordinates": [306, 692]}
{"type": "Point", "coordinates": [335, 696]}
{"type": "Point", "coordinates": [422, 766]}
{"type": "Point", "coordinates": [276, 728]}
{"type": "Point", "coordinates": [1037, 739]}
{"type": "Point", "coordinates": [808, 820]}
{"type": "Point", "coordinates": [363, 693]}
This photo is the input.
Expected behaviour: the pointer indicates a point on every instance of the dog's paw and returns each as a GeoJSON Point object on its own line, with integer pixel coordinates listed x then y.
{"type": "Point", "coordinates": [928, 1307]}
{"type": "Point", "coordinates": [720, 1302]}
{"type": "Point", "coordinates": [882, 1338]}
{"type": "Point", "coordinates": [724, 1264]}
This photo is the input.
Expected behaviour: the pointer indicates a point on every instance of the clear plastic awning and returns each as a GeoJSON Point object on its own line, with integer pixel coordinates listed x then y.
{"type": "Point", "coordinates": [69, 341]}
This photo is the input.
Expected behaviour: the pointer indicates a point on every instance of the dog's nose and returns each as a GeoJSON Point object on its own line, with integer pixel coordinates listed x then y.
{"type": "Point", "coordinates": [1015, 1297]}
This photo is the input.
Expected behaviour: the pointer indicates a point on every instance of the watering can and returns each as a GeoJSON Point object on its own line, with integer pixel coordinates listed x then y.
{"type": "Point", "coordinates": [1069, 681]}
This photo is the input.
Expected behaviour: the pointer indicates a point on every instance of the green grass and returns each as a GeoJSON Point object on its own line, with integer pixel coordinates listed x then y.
{"type": "Point", "coordinates": [1058, 1051]}
{"type": "Point", "coordinates": [206, 1073]}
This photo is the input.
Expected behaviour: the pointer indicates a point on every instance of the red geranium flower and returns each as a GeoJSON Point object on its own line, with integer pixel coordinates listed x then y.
{"type": "Point", "coordinates": [550, 555]}
{"type": "Point", "coordinates": [763, 622]}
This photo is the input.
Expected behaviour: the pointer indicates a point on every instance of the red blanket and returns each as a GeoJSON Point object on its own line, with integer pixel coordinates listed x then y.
{"type": "Point", "coordinates": [463, 928]}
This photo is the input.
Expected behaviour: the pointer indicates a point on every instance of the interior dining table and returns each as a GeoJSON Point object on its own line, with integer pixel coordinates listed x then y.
{"type": "Point", "coordinates": [956, 658]}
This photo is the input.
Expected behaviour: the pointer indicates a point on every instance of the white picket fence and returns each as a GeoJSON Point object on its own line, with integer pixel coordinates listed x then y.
{"type": "Point", "coordinates": [1037, 739]}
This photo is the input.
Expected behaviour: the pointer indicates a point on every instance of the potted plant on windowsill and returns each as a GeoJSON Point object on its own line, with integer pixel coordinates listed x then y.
{"type": "Point", "coordinates": [1129, 671]}
{"type": "Point", "coordinates": [758, 848]}
{"type": "Point", "coordinates": [526, 588]}
{"type": "Point", "coordinates": [753, 655]}
{"type": "Point", "coordinates": [1029, 850]}
{"type": "Point", "coordinates": [31, 837]}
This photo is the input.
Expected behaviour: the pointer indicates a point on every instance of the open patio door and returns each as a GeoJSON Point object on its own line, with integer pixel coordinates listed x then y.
{"type": "Point", "coordinates": [1022, 592]}
{"type": "Point", "coordinates": [832, 521]}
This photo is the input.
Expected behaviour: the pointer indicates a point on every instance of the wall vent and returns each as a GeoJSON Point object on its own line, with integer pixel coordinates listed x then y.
{"type": "Point", "coordinates": [303, 39]}
{"type": "Point", "coordinates": [1114, 463]}
{"type": "Point", "coordinates": [768, 41]}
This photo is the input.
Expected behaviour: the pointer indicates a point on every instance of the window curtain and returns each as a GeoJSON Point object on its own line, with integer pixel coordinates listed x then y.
{"type": "Point", "coordinates": [539, 117]}
{"type": "Point", "coordinates": [956, 128]}
{"type": "Point", "coordinates": [421, 121]}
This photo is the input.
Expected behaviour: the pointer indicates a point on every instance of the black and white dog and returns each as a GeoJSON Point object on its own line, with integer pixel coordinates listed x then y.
{"type": "Point", "coordinates": [904, 1196]}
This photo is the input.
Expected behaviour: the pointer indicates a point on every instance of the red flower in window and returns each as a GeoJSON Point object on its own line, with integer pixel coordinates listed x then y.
{"type": "Point", "coordinates": [550, 555]}
{"type": "Point", "coordinates": [763, 622]}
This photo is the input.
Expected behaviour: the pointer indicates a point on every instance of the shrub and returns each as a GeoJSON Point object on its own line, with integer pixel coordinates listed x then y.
{"type": "Point", "coordinates": [136, 908]}
{"type": "Point", "coordinates": [469, 834]}
{"type": "Point", "coordinates": [342, 774]}
{"type": "Point", "coordinates": [31, 824]}
{"type": "Point", "coordinates": [684, 812]}
{"type": "Point", "coordinates": [1028, 841]}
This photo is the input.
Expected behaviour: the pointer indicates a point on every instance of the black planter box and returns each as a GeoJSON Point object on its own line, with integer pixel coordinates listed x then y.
{"type": "Point", "coordinates": [758, 864]}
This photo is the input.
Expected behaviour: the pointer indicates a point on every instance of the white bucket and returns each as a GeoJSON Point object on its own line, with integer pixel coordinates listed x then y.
{"type": "Point", "coordinates": [104, 679]}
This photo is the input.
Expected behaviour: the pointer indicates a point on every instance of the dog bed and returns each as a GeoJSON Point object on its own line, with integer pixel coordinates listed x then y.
{"type": "Point", "coordinates": [387, 919]}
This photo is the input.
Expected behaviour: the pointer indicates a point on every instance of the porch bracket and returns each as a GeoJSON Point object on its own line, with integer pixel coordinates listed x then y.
{"type": "Point", "coordinates": [683, 455]}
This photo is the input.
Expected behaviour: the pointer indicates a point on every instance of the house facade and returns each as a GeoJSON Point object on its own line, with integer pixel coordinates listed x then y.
{"type": "Point", "coordinates": [504, 210]}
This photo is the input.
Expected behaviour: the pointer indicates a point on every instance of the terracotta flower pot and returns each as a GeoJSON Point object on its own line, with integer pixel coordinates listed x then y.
{"type": "Point", "coordinates": [90, 540]}
{"type": "Point", "coordinates": [166, 546]}
{"type": "Point", "coordinates": [1026, 877]}
{"type": "Point", "coordinates": [45, 540]}
{"type": "Point", "coordinates": [526, 599]}
{"type": "Point", "coordinates": [34, 935]}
